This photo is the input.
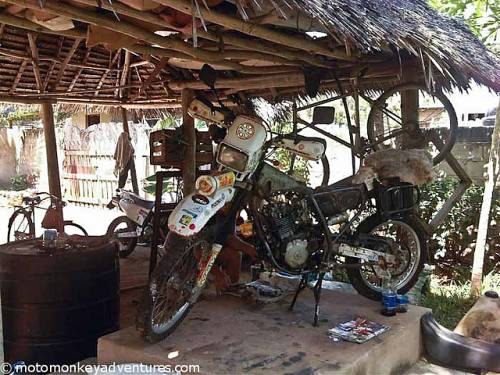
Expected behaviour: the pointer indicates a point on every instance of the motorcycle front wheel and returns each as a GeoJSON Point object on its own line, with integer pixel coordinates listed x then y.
{"type": "Point", "coordinates": [171, 291]}
{"type": "Point", "coordinates": [411, 242]}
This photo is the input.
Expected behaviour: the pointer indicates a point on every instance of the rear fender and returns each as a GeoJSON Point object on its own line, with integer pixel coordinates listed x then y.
{"type": "Point", "coordinates": [193, 212]}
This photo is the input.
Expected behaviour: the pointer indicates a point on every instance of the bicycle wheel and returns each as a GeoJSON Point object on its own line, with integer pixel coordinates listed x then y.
{"type": "Point", "coordinates": [437, 122]}
{"type": "Point", "coordinates": [71, 228]}
{"type": "Point", "coordinates": [21, 226]}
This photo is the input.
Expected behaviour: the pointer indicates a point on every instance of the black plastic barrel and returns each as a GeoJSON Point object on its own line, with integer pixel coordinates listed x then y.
{"type": "Point", "coordinates": [56, 304]}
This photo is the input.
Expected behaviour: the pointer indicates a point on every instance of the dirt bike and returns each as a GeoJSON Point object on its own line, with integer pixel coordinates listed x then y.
{"type": "Point", "coordinates": [298, 230]}
{"type": "Point", "coordinates": [136, 226]}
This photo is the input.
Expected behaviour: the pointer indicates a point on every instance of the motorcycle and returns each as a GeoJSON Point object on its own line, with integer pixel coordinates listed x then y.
{"type": "Point", "coordinates": [298, 230]}
{"type": "Point", "coordinates": [136, 226]}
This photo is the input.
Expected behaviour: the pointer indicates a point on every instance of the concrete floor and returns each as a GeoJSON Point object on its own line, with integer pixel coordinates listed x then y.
{"type": "Point", "coordinates": [226, 335]}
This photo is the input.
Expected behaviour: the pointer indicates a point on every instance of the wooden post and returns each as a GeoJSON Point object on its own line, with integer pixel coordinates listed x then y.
{"type": "Point", "coordinates": [189, 135]}
{"type": "Point", "coordinates": [482, 229]}
{"type": "Point", "coordinates": [51, 150]}
{"type": "Point", "coordinates": [133, 174]}
{"type": "Point", "coordinates": [52, 160]}
{"type": "Point", "coordinates": [409, 112]}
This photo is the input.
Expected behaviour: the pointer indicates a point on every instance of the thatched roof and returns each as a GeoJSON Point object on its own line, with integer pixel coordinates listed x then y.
{"type": "Point", "coordinates": [142, 53]}
{"type": "Point", "coordinates": [413, 26]}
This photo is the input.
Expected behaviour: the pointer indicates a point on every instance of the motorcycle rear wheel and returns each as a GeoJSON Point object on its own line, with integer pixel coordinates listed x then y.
{"type": "Point", "coordinates": [169, 295]}
{"type": "Point", "coordinates": [123, 224]}
{"type": "Point", "coordinates": [403, 231]}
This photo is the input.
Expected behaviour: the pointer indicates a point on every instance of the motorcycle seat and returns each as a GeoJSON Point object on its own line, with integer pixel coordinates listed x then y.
{"type": "Point", "coordinates": [340, 196]}
{"type": "Point", "coordinates": [148, 205]}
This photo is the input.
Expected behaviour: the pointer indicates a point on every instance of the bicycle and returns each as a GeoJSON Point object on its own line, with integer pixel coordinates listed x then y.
{"type": "Point", "coordinates": [22, 220]}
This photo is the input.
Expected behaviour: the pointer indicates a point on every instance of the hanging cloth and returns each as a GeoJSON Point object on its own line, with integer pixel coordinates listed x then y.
{"type": "Point", "coordinates": [123, 153]}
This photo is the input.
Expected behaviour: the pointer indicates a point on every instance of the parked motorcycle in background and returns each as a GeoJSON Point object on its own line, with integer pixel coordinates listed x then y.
{"type": "Point", "coordinates": [136, 226]}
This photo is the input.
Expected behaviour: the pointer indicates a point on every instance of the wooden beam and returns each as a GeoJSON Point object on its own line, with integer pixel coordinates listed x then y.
{"type": "Point", "coordinates": [409, 112]}
{"type": "Point", "coordinates": [189, 136]}
{"type": "Point", "coordinates": [52, 160]}
{"type": "Point", "coordinates": [142, 49]}
{"type": "Point", "coordinates": [137, 32]}
{"type": "Point", "coordinates": [65, 62]}
{"type": "Point", "coordinates": [151, 78]}
{"type": "Point", "coordinates": [77, 75]}
{"type": "Point", "coordinates": [26, 24]}
{"type": "Point", "coordinates": [278, 80]}
{"type": "Point", "coordinates": [268, 50]}
{"type": "Point", "coordinates": [105, 74]}
{"type": "Point", "coordinates": [2, 28]}
{"type": "Point", "coordinates": [22, 56]}
{"type": "Point", "coordinates": [18, 76]}
{"type": "Point", "coordinates": [249, 28]}
{"type": "Point", "coordinates": [34, 61]}
{"type": "Point", "coordinates": [53, 63]}
{"type": "Point", "coordinates": [125, 75]}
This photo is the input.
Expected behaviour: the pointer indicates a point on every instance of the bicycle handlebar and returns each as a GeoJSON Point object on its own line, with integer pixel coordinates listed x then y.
{"type": "Point", "coordinates": [48, 195]}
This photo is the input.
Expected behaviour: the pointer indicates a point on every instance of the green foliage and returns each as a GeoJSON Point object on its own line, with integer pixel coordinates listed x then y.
{"type": "Point", "coordinates": [167, 122]}
{"type": "Point", "coordinates": [451, 301]}
{"type": "Point", "coordinates": [20, 182]}
{"type": "Point", "coordinates": [482, 16]}
{"type": "Point", "coordinates": [3, 122]}
{"type": "Point", "coordinates": [286, 158]}
{"type": "Point", "coordinates": [453, 243]}
{"type": "Point", "coordinates": [21, 115]}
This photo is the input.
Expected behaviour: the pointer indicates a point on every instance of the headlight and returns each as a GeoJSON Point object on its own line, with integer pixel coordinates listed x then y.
{"type": "Point", "coordinates": [232, 158]}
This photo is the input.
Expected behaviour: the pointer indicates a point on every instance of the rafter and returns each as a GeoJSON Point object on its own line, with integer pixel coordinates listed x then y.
{"type": "Point", "coordinates": [138, 74]}
{"type": "Point", "coordinates": [65, 62]}
{"type": "Point", "coordinates": [53, 63]}
{"type": "Point", "coordinates": [105, 74]}
{"type": "Point", "coordinates": [34, 61]}
{"type": "Point", "coordinates": [267, 49]}
{"type": "Point", "coordinates": [152, 76]}
{"type": "Point", "coordinates": [77, 75]}
{"type": "Point", "coordinates": [18, 76]}
{"type": "Point", "coordinates": [125, 74]}
{"type": "Point", "coordinates": [256, 30]}
{"type": "Point", "coordinates": [137, 32]}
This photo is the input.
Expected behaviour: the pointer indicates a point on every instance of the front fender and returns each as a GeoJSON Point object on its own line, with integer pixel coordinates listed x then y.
{"type": "Point", "coordinates": [193, 212]}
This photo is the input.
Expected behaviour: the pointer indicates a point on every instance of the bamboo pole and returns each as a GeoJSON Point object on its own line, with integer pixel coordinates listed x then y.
{"type": "Point", "coordinates": [493, 170]}
{"type": "Point", "coordinates": [189, 135]}
{"type": "Point", "coordinates": [249, 28]}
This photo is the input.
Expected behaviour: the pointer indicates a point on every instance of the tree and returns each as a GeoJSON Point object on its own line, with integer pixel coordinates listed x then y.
{"type": "Point", "coordinates": [482, 16]}
{"type": "Point", "coordinates": [482, 230]}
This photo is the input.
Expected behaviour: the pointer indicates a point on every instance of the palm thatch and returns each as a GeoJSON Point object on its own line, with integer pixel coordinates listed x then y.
{"type": "Point", "coordinates": [146, 53]}
{"type": "Point", "coordinates": [409, 26]}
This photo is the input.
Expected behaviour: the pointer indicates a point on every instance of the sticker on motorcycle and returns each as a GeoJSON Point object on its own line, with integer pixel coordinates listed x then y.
{"type": "Point", "coordinates": [200, 199]}
{"type": "Point", "coordinates": [185, 220]}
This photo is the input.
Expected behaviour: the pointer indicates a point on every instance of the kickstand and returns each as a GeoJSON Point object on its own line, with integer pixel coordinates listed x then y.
{"type": "Point", "coordinates": [300, 288]}
{"type": "Point", "coordinates": [317, 295]}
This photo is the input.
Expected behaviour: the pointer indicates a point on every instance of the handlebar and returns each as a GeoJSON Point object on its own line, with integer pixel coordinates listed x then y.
{"type": "Point", "coordinates": [37, 199]}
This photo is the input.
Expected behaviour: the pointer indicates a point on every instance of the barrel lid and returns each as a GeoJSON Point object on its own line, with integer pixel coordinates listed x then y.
{"type": "Point", "coordinates": [70, 244]}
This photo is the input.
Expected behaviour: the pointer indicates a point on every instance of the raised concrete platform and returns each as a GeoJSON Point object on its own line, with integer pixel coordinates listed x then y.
{"type": "Point", "coordinates": [227, 335]}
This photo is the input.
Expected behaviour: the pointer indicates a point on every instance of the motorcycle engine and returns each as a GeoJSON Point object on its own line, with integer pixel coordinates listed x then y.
{"type": "Point", "coordinates": [289, 230]}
